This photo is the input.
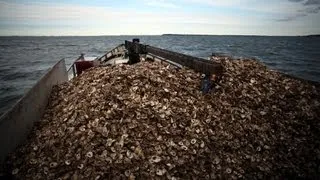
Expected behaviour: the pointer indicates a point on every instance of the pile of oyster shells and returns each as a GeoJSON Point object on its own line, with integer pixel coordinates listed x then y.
{"type": "Point", "coordinates": [151, 121]}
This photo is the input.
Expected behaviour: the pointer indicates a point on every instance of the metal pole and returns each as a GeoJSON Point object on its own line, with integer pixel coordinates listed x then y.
{"type": "Point", "coordinates": [74, 70]}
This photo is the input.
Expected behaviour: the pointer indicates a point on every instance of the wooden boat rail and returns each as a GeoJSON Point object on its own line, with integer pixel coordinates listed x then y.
{"type": "Point", "coordinates": [195, 63]}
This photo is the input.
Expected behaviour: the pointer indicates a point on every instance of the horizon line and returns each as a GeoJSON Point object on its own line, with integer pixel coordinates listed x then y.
{"type": "Point", "coordinates": [165, 34]}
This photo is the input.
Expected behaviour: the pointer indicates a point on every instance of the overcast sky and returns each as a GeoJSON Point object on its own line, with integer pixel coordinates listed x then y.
{"type": "Point", "coordinates": [148, 17]}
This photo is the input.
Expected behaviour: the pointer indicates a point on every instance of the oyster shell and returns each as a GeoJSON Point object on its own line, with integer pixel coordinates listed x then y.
{"type": "Point", "coordinates": [132, 121]}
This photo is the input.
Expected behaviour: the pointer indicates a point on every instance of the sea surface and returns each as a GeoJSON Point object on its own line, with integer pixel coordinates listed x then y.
{"type": "Point", "coordinates": [23, 60]}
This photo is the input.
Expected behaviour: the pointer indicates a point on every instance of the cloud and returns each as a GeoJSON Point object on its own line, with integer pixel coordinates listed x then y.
{"type": "Point", "coordinates": [307, 2]}
{"type": "Point", "coordinates": [311, 10]}
{"type": "Point", "coordinates": [296, 0]}
{"type": "Point", "coordinates": [247, 17]}
{"type": "Point", "coordinates": [160, 3]}
{"type": "Point", "coordinates": [52, 18]}
{"type": "Point", "coordinates": [52, 12]}
{"type": "Point", "coordinates": [301, 13]}
{"type": "Point", "coordinates": [289, 10]}
{"type": "Point", "coordinates": [312, 2]}
{"type": "Point", "coordinates": [291, 18]}
{"type": "Point", "coordinates": [44, 12]}
{"type": "Point", "coordinates": [218, 2]}
{"type": "Point", "coordinates": [256, 7]}
{"type": "Point", "coordinates": [306, 8]}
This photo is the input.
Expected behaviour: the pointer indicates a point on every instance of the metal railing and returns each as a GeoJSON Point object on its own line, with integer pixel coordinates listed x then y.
{"type": "Point", "coordinates": [198, 64]}
{"type": "Point", "coordinates": [117, 51]}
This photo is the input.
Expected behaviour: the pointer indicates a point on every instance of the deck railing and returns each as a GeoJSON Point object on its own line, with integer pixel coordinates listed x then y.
{"type": "Point", "coordinates": [117, 51]}
{"type": "Point", "coordinates": [195, 63]}
{"type": "Point", "coordinates": [178, 59]}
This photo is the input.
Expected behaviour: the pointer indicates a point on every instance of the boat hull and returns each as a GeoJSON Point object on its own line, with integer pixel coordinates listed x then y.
{"type": "Point", "coordinates": [16, 124]}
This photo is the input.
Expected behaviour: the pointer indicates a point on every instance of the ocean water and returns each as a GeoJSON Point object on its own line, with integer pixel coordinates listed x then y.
{"type": "Point", "coordinates": [23, 60]}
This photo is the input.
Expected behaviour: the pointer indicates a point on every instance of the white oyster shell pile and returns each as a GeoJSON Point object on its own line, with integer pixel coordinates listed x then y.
{"type": "Point", "coordinates": [150, 121]}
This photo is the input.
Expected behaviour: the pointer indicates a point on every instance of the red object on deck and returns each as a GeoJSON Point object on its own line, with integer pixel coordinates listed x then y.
{"type": "Point", "coordinates": [83, 65]}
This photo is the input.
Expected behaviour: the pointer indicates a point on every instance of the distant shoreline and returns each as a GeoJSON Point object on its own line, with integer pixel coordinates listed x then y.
{"type": "Point", "coordinates": [313, 35]}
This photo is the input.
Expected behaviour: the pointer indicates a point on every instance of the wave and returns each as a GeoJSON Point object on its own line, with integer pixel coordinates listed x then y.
{"type": "Point", "coordinates": [67, 45]}
{"type": "Point", "coordinates": [14, 76]}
